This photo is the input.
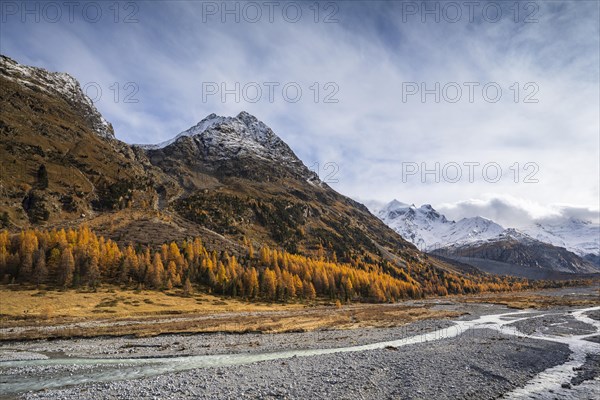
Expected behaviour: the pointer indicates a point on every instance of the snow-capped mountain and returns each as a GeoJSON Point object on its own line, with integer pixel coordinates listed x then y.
{"type": "Point", "coordinates": [241, 134]}
{"type": "Point", "coordinates": [428, 229]}
{"type": "Point", "coordinates": [574, 244]}
{"type": "Point", "coordinates": [419, 226]}
{"type": "Point", "coordinates": [580, 237]}
{"type": "Point", "coordinates": [235, 146]}
{"type": "Point", "coordinates": [515, 253]}
{"type": "Point", "coordinates": [472, 229]}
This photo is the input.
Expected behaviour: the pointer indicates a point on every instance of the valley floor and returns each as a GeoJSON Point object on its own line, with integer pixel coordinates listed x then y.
{"type": "Point", "coordinates": [444, 348]}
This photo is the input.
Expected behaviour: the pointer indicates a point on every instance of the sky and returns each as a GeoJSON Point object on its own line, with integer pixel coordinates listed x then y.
{"type": "Point", "coordinates": [488, 108]}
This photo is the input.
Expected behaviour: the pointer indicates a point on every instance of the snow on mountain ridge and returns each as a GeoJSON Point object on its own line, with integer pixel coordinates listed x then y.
{"type": "Point", "coordinates": [395, 205]}
{"type": "Point", "coordinates": [429, 230]}
{"type": "Point", "coordinates": [205, 124]}
{"type": "Point", "coordinates": [578, 236]}
{"type": "Point", "coordinates": [62, 83]}
{"type": "Point", "coordinates": [472, 229]}
{"type": "Point", "coordinates": [218, 139]}
{"type": "Point", "coordinates": [243, 133]}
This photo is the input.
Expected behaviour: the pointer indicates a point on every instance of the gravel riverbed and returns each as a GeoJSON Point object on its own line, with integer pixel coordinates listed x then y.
{"type": "Point", "coordinates": [478, 367]}
{"type": "Point", "coordinates": [480, 363]}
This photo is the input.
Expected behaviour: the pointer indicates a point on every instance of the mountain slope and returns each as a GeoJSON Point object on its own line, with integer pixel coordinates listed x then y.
{"type": "Point", "coordinates": [238, 178]}
{"type": "Point", "coordinates": [580, 237]}
{"type": "Point", "coordinates": [59, 159]}
{"type": "Point", "coordinates": [517, 249]}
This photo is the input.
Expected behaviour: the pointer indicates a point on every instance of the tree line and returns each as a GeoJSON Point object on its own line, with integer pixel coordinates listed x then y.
{"type": "Point", "coordinates": [78, 257]}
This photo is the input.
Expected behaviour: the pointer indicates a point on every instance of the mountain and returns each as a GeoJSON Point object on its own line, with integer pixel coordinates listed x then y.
{"type": "Point", "coordinates": [237, 178]}
{"type": "Point", "coordinates": [56, 85]}
{"type": "Point", "coordinates": [428, 229]}
{"type": "Point", "coordinates": [475, 240]}
{"type": "Point", "coordinates": [580, 237]}
{"type": "Point", "coordinates": [533, 258]}
{"type": "Point", "coordinates": [232, 137]}
{"type": "Point", "coordinates": [225, 147]}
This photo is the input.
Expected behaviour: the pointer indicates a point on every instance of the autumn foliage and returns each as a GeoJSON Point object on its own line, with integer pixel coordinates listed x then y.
{"type": "Point", "coordinates": [74, 258]}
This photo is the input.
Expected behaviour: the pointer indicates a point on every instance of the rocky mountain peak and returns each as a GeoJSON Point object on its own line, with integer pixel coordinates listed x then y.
{"type": "Point", "coordinates": [235, 136]}
{"type": "Point", "coordinates": [57, 83]}
{"type": "Point", "coordinates": [514, 234]}
{"type": "Point", "coordinates": [241, 146]}
{"type": "Point", "coordinates": [427, 228]}
{"type": "Point", "coordinates": [395, 204]}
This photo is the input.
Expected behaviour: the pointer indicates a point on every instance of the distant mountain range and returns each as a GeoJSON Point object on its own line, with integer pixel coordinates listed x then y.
{"type": "Point", "coordinates": [572, 246]}
{"type": "Point", "coordinates": [428, 229]}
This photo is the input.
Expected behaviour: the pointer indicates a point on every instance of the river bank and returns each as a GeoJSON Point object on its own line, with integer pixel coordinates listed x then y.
{"type": "Point", "coordinates": [486, 352]}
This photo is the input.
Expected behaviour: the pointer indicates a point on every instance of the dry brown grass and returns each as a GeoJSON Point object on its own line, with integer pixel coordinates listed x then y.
{"type": "Point", "coordinates": [26, 305]}
{"type": "Point", "coordinates": [31, 314]}
{"type": "Point", "coordinates": [35, 314]}
{"type": "Point", "coordinates": [533, 299]}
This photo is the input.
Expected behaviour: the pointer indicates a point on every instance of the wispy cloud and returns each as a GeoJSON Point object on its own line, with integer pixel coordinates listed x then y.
{"type": "Point", "coordinates": [373, 49]}
{"type": "Point", "coordinates": [510, 211]}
